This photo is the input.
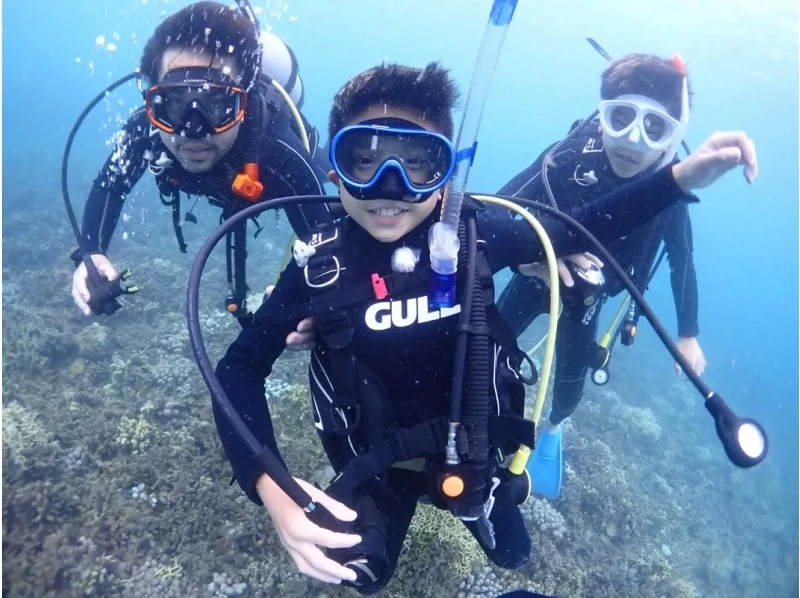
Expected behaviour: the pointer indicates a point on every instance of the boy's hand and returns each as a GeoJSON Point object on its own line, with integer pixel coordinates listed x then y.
{"type": "Point", "coordinates": [717, 155]}
{"type": "Point", "coordinates": [304, 338]}
{"type": "Point", "coordinates": [301, 537]}
{"type": "Point", "coordinates": [584, 261]}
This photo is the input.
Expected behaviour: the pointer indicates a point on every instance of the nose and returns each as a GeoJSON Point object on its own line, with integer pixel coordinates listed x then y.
{"type": "Point", "coordinates": [392, 180]}
{"type": "Point", "coordinates": [635, 135]}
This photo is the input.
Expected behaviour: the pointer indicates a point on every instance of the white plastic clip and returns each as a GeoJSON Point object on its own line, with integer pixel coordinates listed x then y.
{"type": "Point", "coordinates": [163, 160]}
{"type": "Point", "coordinates": [302, 253]}
{"type": "Point", "coordinates": [590, 178]}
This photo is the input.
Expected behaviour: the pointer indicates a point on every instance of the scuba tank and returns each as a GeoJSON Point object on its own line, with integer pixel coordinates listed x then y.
{"type": "Point", "coordinates": [279, 63]}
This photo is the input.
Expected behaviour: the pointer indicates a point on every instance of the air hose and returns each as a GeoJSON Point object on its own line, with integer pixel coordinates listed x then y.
{"type": "Point", "coordinates": [744, 440]}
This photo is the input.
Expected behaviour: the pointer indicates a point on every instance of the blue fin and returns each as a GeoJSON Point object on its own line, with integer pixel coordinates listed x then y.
{"type": "Point", "coordinates": [546, 464]}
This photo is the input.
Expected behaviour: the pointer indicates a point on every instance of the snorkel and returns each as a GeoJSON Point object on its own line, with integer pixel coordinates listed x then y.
{"type": "Point", "coordinates": [443, 236]}
{"type": "Point", "coordinates": [672, 150]}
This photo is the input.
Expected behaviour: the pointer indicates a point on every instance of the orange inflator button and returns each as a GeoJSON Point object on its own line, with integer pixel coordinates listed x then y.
{"type": "Point", "coordinates": [246, 184]}
{"type": "Point", "coordinates": [452, 486]}
{"type": "Point", "coordinates": [232, 307]}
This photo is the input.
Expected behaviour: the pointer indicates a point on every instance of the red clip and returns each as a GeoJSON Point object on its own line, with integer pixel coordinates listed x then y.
{"type": "Point", "coordinates": [679, 64]}
{"type": "Point", "coordinates": [379, 287]}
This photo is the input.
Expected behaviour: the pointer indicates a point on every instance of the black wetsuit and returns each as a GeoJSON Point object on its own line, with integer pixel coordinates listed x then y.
{"type": "Point", "coordinates": [408, 348]}
{"type": "Point", "coordinates": [285, 168]}
{"type": "Point", "coordinates": [580, 174]}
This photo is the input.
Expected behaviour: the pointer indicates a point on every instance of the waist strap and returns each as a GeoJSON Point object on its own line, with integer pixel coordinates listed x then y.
{"type": "Point", "coordinates": [422, 440]}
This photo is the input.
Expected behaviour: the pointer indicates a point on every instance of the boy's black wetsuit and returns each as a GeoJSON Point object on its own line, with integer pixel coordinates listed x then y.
{"type": "Point", "coordinates": [409, 351]}
{"type": "Point", "coordinates": [573, 186]}
{"type": "Point", "coordinates": [285, 168]}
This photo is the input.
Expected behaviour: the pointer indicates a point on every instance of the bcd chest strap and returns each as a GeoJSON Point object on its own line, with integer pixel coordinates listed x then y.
{"type": "Point", "coordinates": [331, 290]}
{"type": "Point", "coordinates": [422, 440]}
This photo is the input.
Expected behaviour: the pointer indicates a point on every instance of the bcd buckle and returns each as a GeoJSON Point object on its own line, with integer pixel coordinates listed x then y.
{"type": "Point", "coordinates": [336, 330]}
{"type": "Point", "coordinates": [327, 270]}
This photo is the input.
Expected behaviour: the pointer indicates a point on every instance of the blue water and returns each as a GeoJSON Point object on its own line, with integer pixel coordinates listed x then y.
{"type": "Point", "coordinates": [742, 58]}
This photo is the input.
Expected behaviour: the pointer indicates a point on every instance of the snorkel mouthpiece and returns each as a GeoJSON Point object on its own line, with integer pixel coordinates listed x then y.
{"type": "Point", "coordinates": [443, 236]}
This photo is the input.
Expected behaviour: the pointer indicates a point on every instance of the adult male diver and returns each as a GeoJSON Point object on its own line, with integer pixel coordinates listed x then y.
{"type": "Point", "coordinates": [218, 123]}
{"type": "Point", "coordinates": [642, 120]}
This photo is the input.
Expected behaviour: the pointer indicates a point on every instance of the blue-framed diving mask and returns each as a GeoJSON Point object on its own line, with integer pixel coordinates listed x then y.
{"type": "Point", "coordinates": [392, 158]}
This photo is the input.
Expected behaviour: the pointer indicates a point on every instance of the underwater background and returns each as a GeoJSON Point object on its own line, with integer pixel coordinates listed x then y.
{"type": "Point", "coordinates": [114, 482]}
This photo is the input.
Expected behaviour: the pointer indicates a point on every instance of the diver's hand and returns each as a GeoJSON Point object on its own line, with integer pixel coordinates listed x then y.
{"type": "Point", "coordinates": [691, 351]}
{"type": "Point", "coordinates": [584, 261]}
{"type": "Point", "coordinates": [717, 155]}
{"type": "Point", "coordinates": [304, 338]}
{"type": "Point", "coordinates": [301, 537]}
{"type": "Point", "coordinates": [80, 281]}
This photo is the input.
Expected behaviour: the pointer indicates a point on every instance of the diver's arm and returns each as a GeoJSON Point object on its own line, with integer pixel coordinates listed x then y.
{"type": "Point", "coordinates": [288, 170]}
{"type": "Point", "coordinates": [608, 218]}
{"type": "Point", "coordinates": [120, 173]}
{"type": "Point", "coordinates": [680, 246]}
{"type": "Point", "coordinates": [625, 209]}
{"type": "Point", "coordinates": [242, 373]}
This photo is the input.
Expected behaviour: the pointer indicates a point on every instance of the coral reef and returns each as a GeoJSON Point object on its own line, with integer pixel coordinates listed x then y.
{"type": "Point", "coordinates": [541, 514]}
{"type": "Point", "coordinates": [133, 434]}
{"type": "Point", "coordinates": [436, 532]}
{"type": "Point", "coordinates": [22, 433]}
{"type": "Point", "coordinates": [641, 422]}
{"type": "Point", "coordinates": [115, 483]}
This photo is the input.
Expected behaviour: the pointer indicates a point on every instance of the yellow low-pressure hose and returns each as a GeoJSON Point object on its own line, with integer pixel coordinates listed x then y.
{"type": "Point", "coordinates": [295, 113]}
{"type": "Point", "coordinates": [520, 460]}
{"type": "Point", "coordinates": [606, 340]}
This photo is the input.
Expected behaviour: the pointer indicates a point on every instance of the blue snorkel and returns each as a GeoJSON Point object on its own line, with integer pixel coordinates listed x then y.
{"type": "Point", "coordinates": [443, 236]}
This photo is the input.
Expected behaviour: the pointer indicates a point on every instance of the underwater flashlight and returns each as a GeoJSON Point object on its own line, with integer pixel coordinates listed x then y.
{"type": "Point", "coordinates": [744, 440]}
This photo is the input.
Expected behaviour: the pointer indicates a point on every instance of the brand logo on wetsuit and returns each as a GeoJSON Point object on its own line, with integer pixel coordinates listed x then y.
{"type": "Point", "coordinates": [384, 315]}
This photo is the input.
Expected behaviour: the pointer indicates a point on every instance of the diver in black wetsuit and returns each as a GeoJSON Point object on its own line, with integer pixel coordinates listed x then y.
{"type": "Point", "coordinates": [381, 375]}
{"type": "Point", "coordinates": [642, 120]}
{"type": "Point", "coordinates": [214, 125]}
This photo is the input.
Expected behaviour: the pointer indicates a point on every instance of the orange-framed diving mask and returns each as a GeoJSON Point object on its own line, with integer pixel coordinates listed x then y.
{"type": "Point", "coordinates": [195, 102]}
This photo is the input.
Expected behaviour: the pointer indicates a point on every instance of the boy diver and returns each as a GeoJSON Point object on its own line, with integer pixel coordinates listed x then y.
{"type": "Point", "coordinates": [213, 125]}
{"type": "Point", "coordinates": [642, 121]}
{"type": "Point", "coordinates": [383, 368]}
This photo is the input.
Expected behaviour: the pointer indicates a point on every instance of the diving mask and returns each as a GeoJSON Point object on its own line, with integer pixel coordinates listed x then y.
{"type": "Point", "coordinates": [392, 158]}
{"type": "Point", "coordinates": [642, 120]}
{"type": "Point", "coordinates": [195, 102]}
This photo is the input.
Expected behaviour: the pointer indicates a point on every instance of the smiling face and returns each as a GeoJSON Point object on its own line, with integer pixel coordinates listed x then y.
{"type": "Point", "coordinates": [198, 155]}
{"type": "Point", "coordinates": [385, 219]}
